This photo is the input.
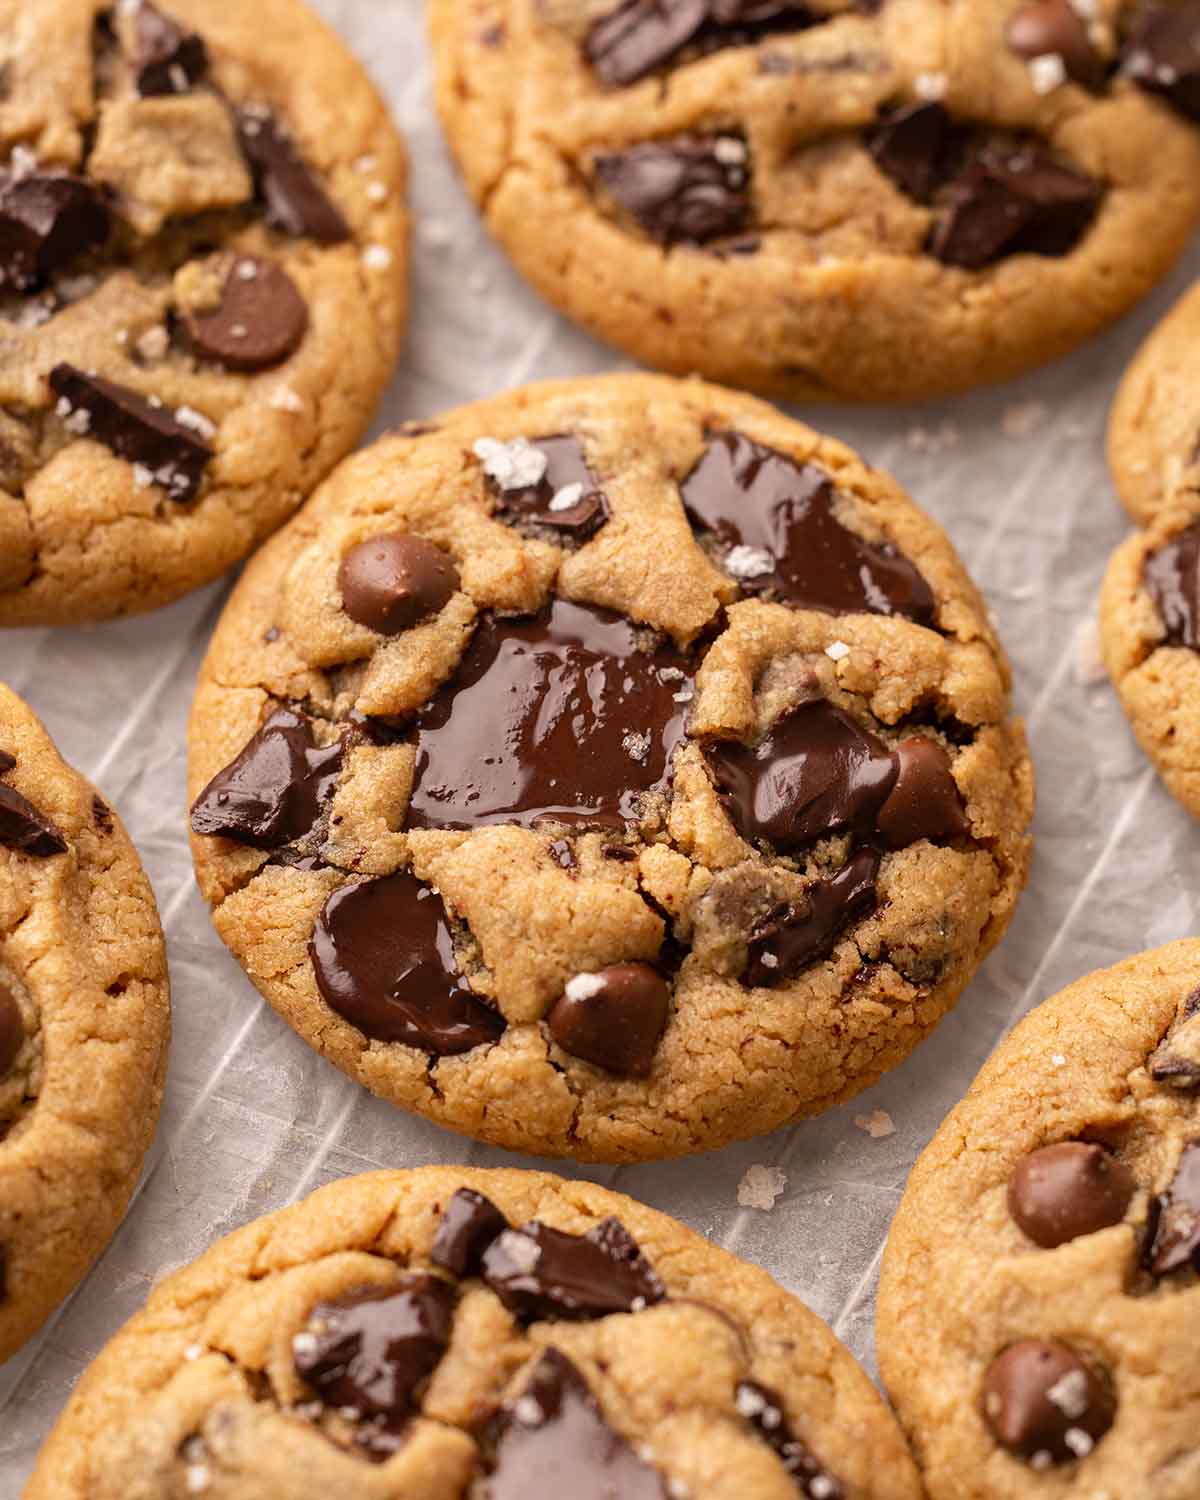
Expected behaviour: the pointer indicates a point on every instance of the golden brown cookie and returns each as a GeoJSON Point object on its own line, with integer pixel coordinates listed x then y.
{"type": "Point", "coordinates": [1039, 1308]}
{"type": "Point", "coordinates": [202, 288]}
{"type": "Point", "coordinates": [449, 1332]}
{"type": "Point", "coordinates": [612, 769]}
{"type": "Point", "coordinates": [84, 1023]}
{"type": "Point", "coordinates": [848, 199]}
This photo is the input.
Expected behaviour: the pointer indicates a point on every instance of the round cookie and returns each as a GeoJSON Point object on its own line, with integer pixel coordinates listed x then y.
{"type": "Point", "coordinates": [447, 1332]}
{"type": "Point", "coordinates": [1154, 426]}
{"type": "Point", "coordinates": [1039, 1306]}
{"type": "Point", "coordinates": [846, 199]}
{"type": "Point", "coordinates": [202, 289]}
{"type": "Point", "coordinates": [612, 769]}
{"type": "Point", "coordinates": [1150, 635]}
{"type": "Point", "coordinates": [84, 1024]}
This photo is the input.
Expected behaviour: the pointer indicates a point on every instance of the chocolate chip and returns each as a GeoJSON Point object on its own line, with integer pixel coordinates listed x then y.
{"type": "Point", "coordinates": [916, 147]}
{"type": "Point", "coordinates": [763, 1409]}
{"type": "Point", "coordinates": [47, 220]}
{"type": "Point", "coordinates": [372, 1350]}
{"type": "Point", "coordinates": [7, 762]}
{"type": "Point", "coordinates": [1163, 55]}
{"type": "Point", "coordinates": [1060, 1192]}
{"type": "Point", "coordinates": [790, 939]}
{"type": "Point", "coordinates": [613, 1018]}
{"type": "Point", "coordinates": [1044, 1404]}
{"type": "Point", "coordinates": [134, 428]}
{"type": "Point", "coordinates": [1012, 201]}
{"type": "Point", "coordinates": [384, 960]}
{"type": "Point", "coordinates": [102, 816]}
{"type": "Point", "coordinates": [688, 189]}
{"type": "Point", "coordinates": [554, 1440]}
{"type": "Point", "coordinates": [390, 583]}
{"type": "Point", "coordinates": [1055, 28]}
{"type": "Point", "coordinates": [924, 803]}
{"type": "Point", "coordinates": [539, 1272]}
{"type": "Point", "coordinates": [558, 717]}
{"type": "Point", "coordinates": [260, 320]}
{"type": "Point", "coordinates": [469, 1225]}
{"type": "Point", "coordinates": [12, 1029]}
{"type": "Point", "coordinates": [642, 35]}
{"type": "Point", "coordinates": [25, 829]}
{"type": "Point", "coordinates": [1176, 1061]}
{"type": "Point", "coordinates": [1174, 1241]}
{"type": "Point", "coordinates": [169, 59]}
{"type": "Point", "coordinates": [567, 498]}
{"type": "Point", "coordinates": [775, 523]}
{"type": "Point", "coordinates": [1172, 578]}
{"type": "Point", "coordinates": [273, 792]}
{"type": "Point", "coordinates": [295, 199]}
{"type": "Point", "coordinates": [816, 772]}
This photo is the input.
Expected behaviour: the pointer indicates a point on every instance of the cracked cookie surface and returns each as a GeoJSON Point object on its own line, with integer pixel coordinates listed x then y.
{"type": "Point", "coordinates": [612, 769]}
{"type": "Point", "coordinates": [469, 1335]}
{"type": "Point", "coordinates": [1057, 1213]}
{"type": "Point", "coordinates": [881, 200]}
{"type": "Point", "coordinates": [202, 289]}
{"type": "Point", "coordinates": [84, 1023]}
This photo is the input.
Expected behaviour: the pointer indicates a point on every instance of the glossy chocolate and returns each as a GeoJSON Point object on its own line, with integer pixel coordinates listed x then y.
{"type": "Point", "coordinates": [1060, 1192]}
{"type": "Point", "coordinates": [384, 960]}
{"type": "Point", "coordinates": [917, 147]}
{"type": "Point", "coordinates": [275, 790]}
{"type": "Point", "coordinates": [567, 498]}
{"type": "Point", "coordinates": [924, 802]}
{"type": "Point", "coordinates": [791, 938]}
{"type": "Point", "coordinates": [1163, 54]}
{"type": "Point", "coordinates": [1175, 1062]}
{"type": "Point", "coordinates": [684, 190]}
{"type": "Point", "coordinates": [1173, 1240]}
{"type": "Point", "coordinates": [640, 36]}
{"type": "Point", "coordinates": [764, 1410]}
{"type": "Point", "coordinates": [170, 60]}
{"type": "Point", "coordinates": [540, 1273]}
{"type": "Point", "coordinates": [47, 220]}
{"type": "Point", "coordinates": [296, 202]}
{"type": "Point", "coordinates": [613, 1018]}
{"type": "Point", "coordinates": [260, 320]}
{"type": "Point", "coordinates": [1172, 579]}
{"type": "Point", "coordinates": [557, 717]}
{"type": "Point", "coordinates": [25, 829]}
{"type": "Point", "coordinates": [12, 1030]}
{"type": "Point", "coordinates": [748, 496]}
{"type": "Point", "coordinates": [1044, 1404]}
{"type": "Point", "coordinates": [392, 582]}
{"type": "Point", "coordinates": [1055, 27]}
{"type": "Point", "coordinates": [469, 1225]}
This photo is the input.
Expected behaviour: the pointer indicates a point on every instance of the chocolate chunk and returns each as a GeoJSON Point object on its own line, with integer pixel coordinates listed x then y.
{"type": "Point", "coordinates": [274, 791]}
{"type": "Point", "coordinates": [553, 1440]}
{"type": "Point", "coordinates": [12, 1030]}
{"type": "Point", "coordinates": [296, 201]}
{"type": "Point", "coordinates": [169, 59]}
{"type": "Point", "coordinates": [1163, 55]}
{"type": "Point", "coordinates": [557, 717]}
{"type": "Point", "coordinates": [7, 762]}
{"type": "Point", "coordinates": [1174, 1241]}
{"type": "Point", "coordinates": [392, 582]}
{"type": "Point", "coordinates": [25, 829]}
{"type": "Point", "coordinates": [687, 189]}
{"type": "Point", "coordinates": [1067, 1190]}
{"type": "Point", "coordinates": [763, 1409]}
{"type": "Point", "coordinates": [643, 35]}
{"type": "Point", "coordinates": [102, 815]}
{"type": "Point", "coordinates": [567, 497]}
{"type": "Point", "coordinates": [47, 220]}
{"type": "Point", "coordinates": [817, 772]}
{"type": "Point", "coordinates": [774, 520]}
{"type": "Point", "coordinates": [1055, 27]}
{"type": "Point", "coordinates": [1176, 1061]}
{"type": "Point", "coordinates": [1044, 1404]}
{"type": "Point", "coordinates": [260, 320]}
{"type": "Point", "coordinates": [539, 1272]}
{"type": "Point", "coordinates": [1172, 578]}
{"type": "Point", "coordinates": [924, 803]}
{"type": "Point", "coordinates": [469, 1225]}
{"type": "Point", "coordinates": [788, 940]}
{"type": "Point", "coordinates": [134, 427]}
{"type": "Point", "coordinates": [384, 960]}
{"type": "Point", "coordinates": [613, 1018]}
{"type": "Point", "coordinates": [916, 147]}
{"type": "Point", "coordinates": [372, 1350]}
{"type": "Point", "coordinates": [1015, 201]}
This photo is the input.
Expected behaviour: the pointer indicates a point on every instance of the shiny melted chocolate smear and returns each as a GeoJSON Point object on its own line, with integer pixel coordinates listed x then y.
{"type": "Point", "coordinates": [774, 520]}
{"type": "Point", "coordinates": [560, 717]}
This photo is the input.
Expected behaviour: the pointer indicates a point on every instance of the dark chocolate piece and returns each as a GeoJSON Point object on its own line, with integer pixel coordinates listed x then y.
{"type": "Point", "coordinates": [7, 762]}
{"type": "Point", "coordinates": [788, 940]}
{"type": "Point", "coordinates": [540, 1273]}
{"type": "Point", "coordinates": [763, 1409]}
{"type": "Point", "coordinates": [260, 320]}
{"type": "Point", "coordinates": [1173, 1243]}
{"type": "Point", "coordinates": [567, 498]}
{"type": "Point", "coordinates": [613, 1018]}
{"type": "Point", "coordinates": [917, 147]}
{"type": "Point", "coordinates": [924, 803]}
{"type": "Point", "coordinates": [469, 1225]}
{"type": "Point", "coordinates": [12, 1030]}
{"type": "Point", "coordinates": [47, 220]}
{"type": "Point", "coordinates": [1044, 1404]}
{"type": "Point", "coordinates": [170, 60]}
{"type": "Point", "coordinates": [1172, 578]}
{"type": "Point", "coordinates": [640, 36]}
{"type": "Point", "coordinates": [384, 960]}
{"type": "Point", "coordinates": [1176, 1060]}
{"type": "Point", "coordinates": [687, 189]}
{"type": "Point", "coordinates": [276, 788]}
{"type": "Point", "coordinates": [1055, 27]}
{"type": "Point", "coordinates": [25, 829]}
{"type": "Point", "coordinates": [392, 582]}
{"type": "Point", "coordinates": [102, 815]}
{"type": "Point", "coordinates": [1060, 1192]}
{"type": "Point", "coordinates": [134, 428]}
{"type": "Point", "coordinates": [296, 201]}
{"type": "Point", "coordinates": [1163, 55]}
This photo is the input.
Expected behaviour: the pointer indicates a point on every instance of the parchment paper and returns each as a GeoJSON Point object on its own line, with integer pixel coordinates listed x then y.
{"type": "Point", "coordinates": [254, 1119]}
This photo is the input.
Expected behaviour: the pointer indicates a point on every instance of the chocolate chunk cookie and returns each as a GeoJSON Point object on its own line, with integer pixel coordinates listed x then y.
{"type": "Point", "coordinates": [612, 769]}
{"type": "Point", "coordinates": [849, 199]}
{"type": "Point", "coordinates": [84, 1024]}
{"type": "Point", "coordinates": [1150, 632]}
{"type": "Point", "coordinates": [1040, 1304]}
{"type": "Point", "coordinates": [202, 289]}
{"type": "Point", "coordinates": [447, 1333]}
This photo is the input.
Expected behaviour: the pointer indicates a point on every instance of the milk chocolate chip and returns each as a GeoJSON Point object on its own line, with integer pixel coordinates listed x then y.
{"type": "Point", "coordinates": [47, 220]}
{"type": "Point", "coordinates": [1163, 55]}
{"type": "Point", "coordinates": [1070, 1189]}
{"type": "Point", "coordinates": [791, 938]}
{"type": "Point", "coordinates": [1173, 1238]}
{"type": "Point", "coordinates": [295, 200]}
{"type": "Point", "coordinates": [390, 583]}
{"type": "Point", "coordinates": [539, 1272]}
{"type": "Point", "coordinates": [1055, 28]}
{"type": "Point", "coordinates": [469, 1225]}
{"type": "Point", "coordinates": [12, 1030]}
{"type": "Point", "coordinates": [1044, 1404]}
{"type": "Point", "coordinates": [688, 189]}
{"type": "Point", "coordinates": [25, 829]}
{"type": "Point", "coordinates": [1172, 578]}
{"type": "Point", "coordinates": [613, 1018]}
{"type": "Point", "coordinates": [169, 59]}
{"type": "Point", "coordinates": [763, 1409]}
{"type": "Point", "coordinates": [260, 320]}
